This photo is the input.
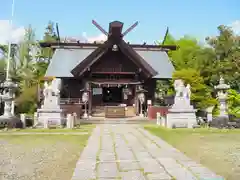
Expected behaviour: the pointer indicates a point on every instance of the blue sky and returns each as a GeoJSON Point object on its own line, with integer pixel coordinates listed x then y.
{"type": "Point", "coordinates": [197, 18]}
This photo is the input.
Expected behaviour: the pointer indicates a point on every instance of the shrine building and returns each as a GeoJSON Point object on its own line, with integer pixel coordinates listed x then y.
{"type": "Point", "coordinates": [113, 73]}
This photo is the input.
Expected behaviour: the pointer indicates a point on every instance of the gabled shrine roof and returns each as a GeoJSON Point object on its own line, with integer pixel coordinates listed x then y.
{"type": "Point", "coordinates": [65, 59]}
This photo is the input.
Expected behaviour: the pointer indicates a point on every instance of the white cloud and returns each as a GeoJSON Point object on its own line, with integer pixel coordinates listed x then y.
{"type": "Point", "coordinates": [236, 26]}
{"type": "Point", "coordinates": [99, 38]}
{"type": "Point", "coordinates": [17, 33]}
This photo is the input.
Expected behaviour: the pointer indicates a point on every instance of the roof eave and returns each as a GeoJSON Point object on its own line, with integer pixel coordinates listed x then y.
{"type": "Point", "coordinates": [150, 69]}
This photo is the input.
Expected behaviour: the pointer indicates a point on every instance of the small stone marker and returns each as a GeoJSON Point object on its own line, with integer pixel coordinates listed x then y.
{"type": "Point", "coordinates": [45, 124]}
{"type": "Point", "coordinates": [23, 120]}
{"type": "Point", "coordinates": [35, 119]}
{"type": "Point", "coordinates": [209, 113]}
{"type": "Point", "coordinates": [70, 121]}
{"type": "Point", "coordinates": [163, 121]}
{"type": "Point", "coordinates": [76, 120]}
{"type": "Point", "coordinates": [158, 119]}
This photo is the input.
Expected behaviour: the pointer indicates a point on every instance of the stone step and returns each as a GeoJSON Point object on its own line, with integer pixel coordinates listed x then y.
{"type": "Point", "coordinates": [118, 122]}
{"type": "Point", "coordinates": [100, 112]}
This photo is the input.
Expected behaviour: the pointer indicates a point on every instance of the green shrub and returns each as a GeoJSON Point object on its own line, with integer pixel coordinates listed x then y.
{"type": "Point", "coordinates": [27, 101]}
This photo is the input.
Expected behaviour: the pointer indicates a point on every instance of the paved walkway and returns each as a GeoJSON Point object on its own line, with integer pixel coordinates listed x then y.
{"type": "Point", "coordinates": [128, 152]}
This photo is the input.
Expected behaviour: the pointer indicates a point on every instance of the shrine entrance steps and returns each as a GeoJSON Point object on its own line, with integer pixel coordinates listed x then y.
{"type": "Point", "coordinates": [99, 111]}
{"type": "Point", "coordinates": [129, 120]}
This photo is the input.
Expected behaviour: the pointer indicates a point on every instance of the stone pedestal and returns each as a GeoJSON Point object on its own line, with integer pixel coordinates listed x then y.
{"type": "Point", "coordinates": [141, 115]}
{"type": "Point", "coordinates": [181, 118]}
{"type": "Point", "coordinates": [181, 115]}
{"type": "Point", "coordinates": [85, 116]}
{"type": "Point", "coordinates": [51, 116]}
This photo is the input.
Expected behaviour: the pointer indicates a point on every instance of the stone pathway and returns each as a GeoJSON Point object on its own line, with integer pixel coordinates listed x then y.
{"type": "Point", "coordinates": [128, 152]}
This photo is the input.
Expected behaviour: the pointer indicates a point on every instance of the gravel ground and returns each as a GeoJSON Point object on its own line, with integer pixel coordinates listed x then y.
{"type": "Point", "coordinates": [40, 157]}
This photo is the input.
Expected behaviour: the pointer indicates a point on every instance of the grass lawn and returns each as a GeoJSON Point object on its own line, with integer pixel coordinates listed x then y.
{"type": "Point", "coordinates": [217, 149]}
{"type": "Point", "coordinates": [41, 157]}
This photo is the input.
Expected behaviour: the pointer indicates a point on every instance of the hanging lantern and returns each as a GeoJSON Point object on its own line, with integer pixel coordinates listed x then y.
{"type": "Point", "coordinates": [85, 97]}
{"type": "Point", "coordinates": [141, 97]}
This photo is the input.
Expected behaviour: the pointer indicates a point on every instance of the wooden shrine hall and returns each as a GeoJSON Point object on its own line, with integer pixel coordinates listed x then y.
{"type": "Point", "coordinates": [113, 73]}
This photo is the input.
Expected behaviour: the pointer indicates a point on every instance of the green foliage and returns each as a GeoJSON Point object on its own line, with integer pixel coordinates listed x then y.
{"type": "Point", "coordinates": [220, 57]}
{"type": "Point", "coordinates": [226, 47]}
{"type": "Point", "coordinates": [162, 87]}
{"type": "Point", "coordinates": [2, 70]}
{"type": "Point", "coordinates": [28, 65]}
{"type": "Point", "coordinates": [187, 52]}
{"type": "Point", "coordinates": [49, 36]}
{"type": "Point", "coordinates": [3, 49]}
{"type": "Point", "coordinates": [27, 101]}
{"type": "Point", "coordinates": [201, 94]}
{"type": "Point", "coordinates": [234, 102]}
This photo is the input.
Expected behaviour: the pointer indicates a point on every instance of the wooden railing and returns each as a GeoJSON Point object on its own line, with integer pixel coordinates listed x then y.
{"type": "Point", "coordinates": [71, 101]}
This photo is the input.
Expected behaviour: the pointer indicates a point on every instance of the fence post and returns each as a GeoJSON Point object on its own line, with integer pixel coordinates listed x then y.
{"type": "Point", "coordinates": [45, 124]}
{"type": "Point", "coordinates": [23, 120]}
{"type": "Point", "coordinates": [76, 122]}
{"type": "Point", "coordinates": [69, 121]}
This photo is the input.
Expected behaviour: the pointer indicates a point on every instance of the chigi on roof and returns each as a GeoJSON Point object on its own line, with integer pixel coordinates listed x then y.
{"type": "Point", "coordinates": [153, 57]}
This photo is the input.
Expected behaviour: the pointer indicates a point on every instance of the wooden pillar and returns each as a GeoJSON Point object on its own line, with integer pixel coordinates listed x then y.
{"type": "Point", "coordinates": [136, 101]}
{"type": "Point", "coordinates": [154, 91]}
{"type": "Point", "coordinates": [90, 99]}
{"type": "Point", "coordinates": [40, 94]}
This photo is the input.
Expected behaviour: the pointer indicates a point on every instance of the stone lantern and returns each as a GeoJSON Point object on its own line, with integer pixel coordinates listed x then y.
{"type": "Point", "coordinates": [141, 99]}
{"type": "Point", "coordinates": [7, 96]}
{"type": "Point", "coordinates": [222, 96]}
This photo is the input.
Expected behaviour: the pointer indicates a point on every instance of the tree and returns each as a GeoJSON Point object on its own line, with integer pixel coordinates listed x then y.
{"type": "Point", "coordinates": [226, 47]}
{"type": "Point", "coordinates": [3, 50]}
{"type": "Point", "coordinates": [234, 102]}
{"type": "Point", "coordinates": [2, 70]}
{"type": "Point", "coordinates": [28, 64]}
{"type": "Point", "coordinates": [201, 94]}
{"type": "Point", "coordinates": [24, 71]}
{"type": "Point", "coordinates": [24, 64]}
{"type": "Point", "coordinates": [49, 36]}
{"type": "Point", "coordinates": [186, 54]}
